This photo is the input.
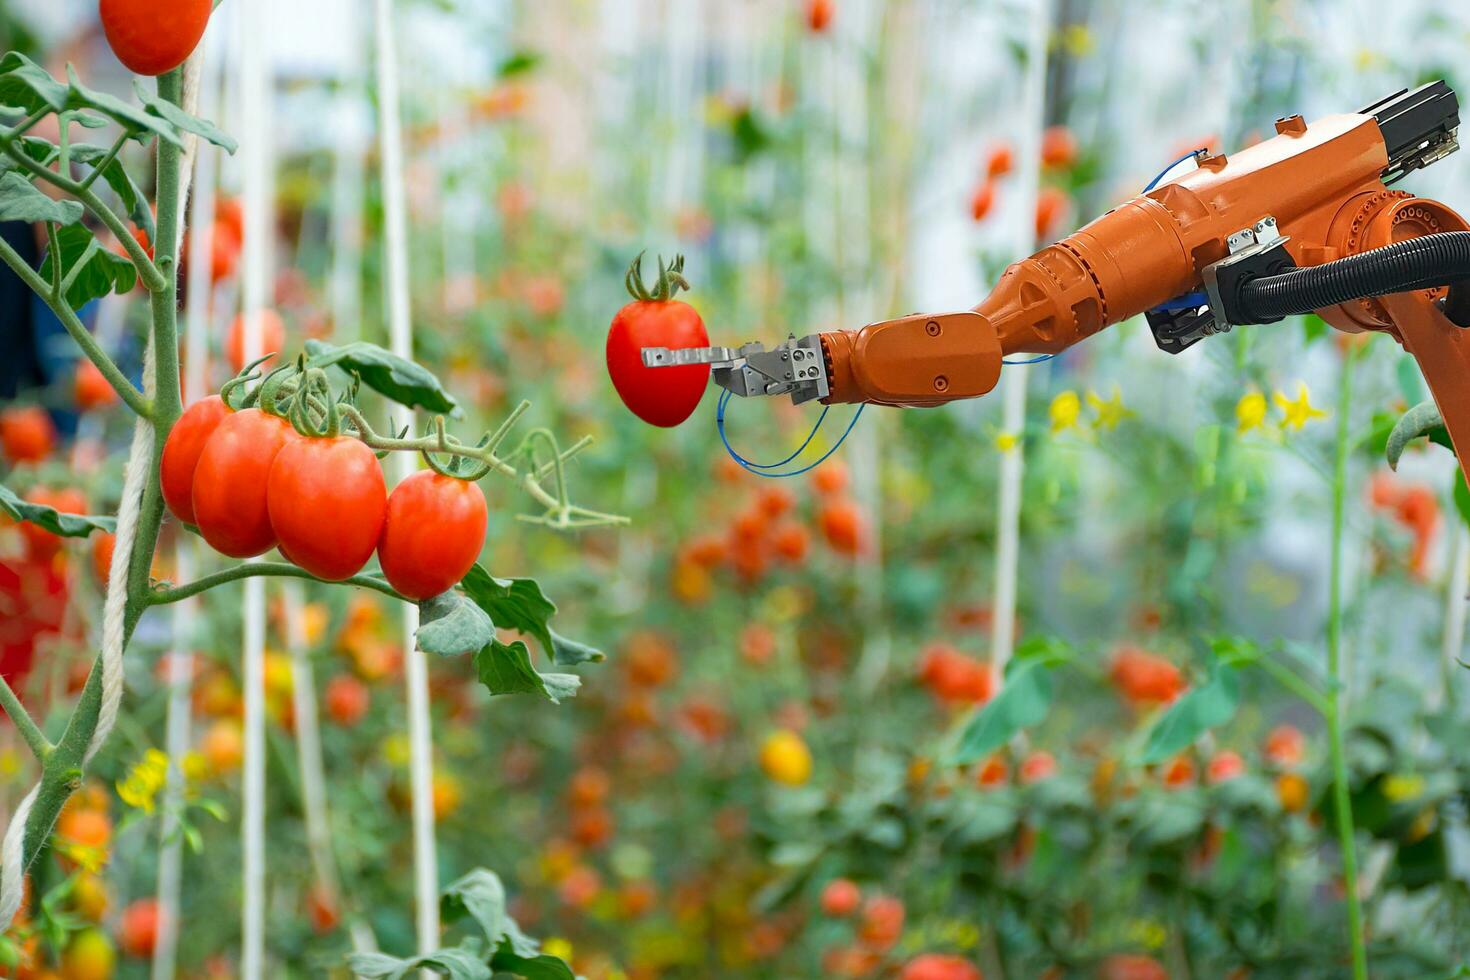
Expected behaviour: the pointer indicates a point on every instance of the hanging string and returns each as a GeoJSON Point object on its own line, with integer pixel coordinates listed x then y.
{"type": "Point", "coordinates": [760, 469]}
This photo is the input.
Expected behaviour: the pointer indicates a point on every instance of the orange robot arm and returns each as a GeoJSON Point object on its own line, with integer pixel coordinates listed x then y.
{"type": "Point", "coordinates": [1237, 234]}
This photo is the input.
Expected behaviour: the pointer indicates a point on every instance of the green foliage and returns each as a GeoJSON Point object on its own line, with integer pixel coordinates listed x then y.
{"type": "Point", "coordinates": [53, 520]}
{"type": "Point", "coordinates": [401, 380]}
{"type": "Point", "coordinates": [1023, 701]}
{"type": "Point", "coordinates": [1197, 711]}
{"type": "Point", "coordinates": [21, 201]}
{"type": "Point", "coordinates": [184, 122]}
{"type": "Point", "coordinates": [450, 625]}
{"type": "Point", "coordinates": [1421, 420]}
{"type": "Point", "coordinates": [91, 270]}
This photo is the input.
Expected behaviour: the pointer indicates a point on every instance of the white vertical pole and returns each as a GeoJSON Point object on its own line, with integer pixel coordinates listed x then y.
{"type": "Point", "coordinates": [347, 188]}
{"type": "Point", "coordinates": [256, 92]}
{"type": "Point", "coordinates": [177, 723]}
{"type": "Point", "coordinates": [400, 335]}
{"type": "Point", "coordinates": [1013, 382]}
{"type": "Point", "coordinates": [1455, 606]}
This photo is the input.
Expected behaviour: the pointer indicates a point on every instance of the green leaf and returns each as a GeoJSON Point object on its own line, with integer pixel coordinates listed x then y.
{"type": "Point", "coordinates": [481, 896]}
{"type": "Point", "coordinates": [450, 625]}
{"type": "Point", "coordinates": [44, 152]}
{"type": "Point", "coordinates": [513, 603]}
{"type": "Point", "coordinates": [569, 653]}
{"type": "Point", "coordinates": [21, 201]}
{"type": "Point", "coordinates": [386, 373]}
{"type": "Point", "coordinates": [1199, 709]}
{"type": "Point", "coordinates": [519, 63]}
{"type": "Point", "coordinates": [121, 182]}
{"type": "Point", "coordinates": [53, 520]}
{"type": "Point", "coordinates": [177, 117]}
{"type": "Point", "coordinates": [540, 967]}
{"type": "Point", "coordinates": [1421, 420]}
{"type": "Point", "coordinates": [136, 121]}
{"type": "Point", "coordinates": [465, 962]}
{"type": "Point", "coordinates": [27, 86]}
{"type": "Point", "coordinates": [101, 271]}
{"type": "Point", "coordinates": [1461, 494]}
{"type": "Point", "coordinates": [506, 669]}
{"type": "Point", "coordinates": [1023, 701]}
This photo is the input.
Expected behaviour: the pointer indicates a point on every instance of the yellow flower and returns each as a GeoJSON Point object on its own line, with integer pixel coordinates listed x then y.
{"type": "Point", "coordinates": [1109, 411]}
{"type": "Point", "coordinates": [1402, 787]}
{"type": "Point", "coordinates": [1065, 409]}
{"type": "Point", "coordinates": [141, 785]}
{"type": "Point", "coordinates": [195, 767]}
{"type": "Point", "coordinates": [1299, 411]}
{"type": "Point", "coordinates": [1250, 411]}
{"type": "Point", "coordinates": [1007, 441]}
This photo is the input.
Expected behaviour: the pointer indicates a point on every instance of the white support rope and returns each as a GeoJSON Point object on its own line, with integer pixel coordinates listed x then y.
{"type": "Point", "coordinates": [1013, 382]}
{"type": "Point", "coordinates": [255, 120]}
{"type": "Point", "coordinates": [400, 335]}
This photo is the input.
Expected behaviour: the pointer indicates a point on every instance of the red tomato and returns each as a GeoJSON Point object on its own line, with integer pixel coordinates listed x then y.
{"type": "Point", "coordinates": [1000, 161]}
{"type": "Point", "coordinates": [433, 533]}
{"type": "Point", "coordinates": [230, 480]}
{"type": "Point", "coordinates": [181, 453]}
{"type": "Point", "coordinates": [272, 338]}
{"type": "Point", "coordinates": [347, 700]}
{"type": "Point", "coordinates": [1037, 766]}
{"type": "Point", "coordinates": [137, 933]}
{"type": "Point", "coordinates": [659, 396]}
{"type": "Point", "coordinates": [90, 389]}
{"type": "Point", "coordinates": [26, 433]}
{"type": "Point", "coordinates": [1051, 204]}
{"type": "Point", "coordinates": [882, 923]}
{"type": "Point", "coordinates": [40, 543]}
{"type": "Point", "coordinates": [1058, 147]}
{"type": "Point", "coordinates": [1132, 966]}
{"type": "Point", "coordinates": [229, 214]}
{"type": "Point", "coordinates": [153, 37]}
{"type": "Point", "coordinates": [103, 545]}
{"type": "Point", "coordinates": [1225, 765]}
{"type": "Point", "coordinates": [841, 898]}
{"type": "Point", "coordinates": [842, 526]}
{"type": "Point", "coordinates": [830, 478]}
{"type": "Point", "coordinates": [327, 500]}
{"type": "Point", "coordinates": [982, 201]}
{"type": "Point", "coordinates": [1286, 746]}
{"type": "Point", "coordinates": [936, 966]}
{"type": "Point", "coordinates": [321, 908]}
{"type": "Point", "coordinates": [1144, 677]}
{"type": "Point", "coordinates": [790, 541]}
{"type": "Point", "coordinates": [819, 15]}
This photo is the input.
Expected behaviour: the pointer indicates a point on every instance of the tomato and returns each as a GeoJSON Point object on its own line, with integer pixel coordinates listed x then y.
{"type": "Point", "coordinates": [785, 758]}
{"type": "Point", "coordinates": [137, 933]}
{"type": "Point", "coordinates": [84, 827]}
{"type": "Point", "coordinates": [432, 534]}
{"type": "Point", "coordinates": [89, 956]}
{"type": "Point", "coordinates": [1224, 765]}
{"type": "Point", "coordinates": [982, 201]}
{"type": "Point", "coordinates": [347, 700]}
{"type": "Point", "coordinates": [223, 746]}
{"type": "Point", "coordinates": [882, 923]}
{"type": "Point", "coordinates": [992, 772]}
{"type": "Point", "coordinates": [153, 37]}
{"type": "Point", "coordinates": [103, 545]}
{"type": "Point", "coordinates": [1037, 766]}
{"type": "Point", "coordinates": [662, 396]}
{"type": "Point", "coordinates": [819, 15]}
{"type": "Point", "coordinates": [90, 389]}
{"type": "Point", "coordinates": [1058, 147]}
{"type": "Point", "coordinates": [229, 215]}
{"type": "Point", "coordinates": [1051, 204]}
{"type": "Point", "coordinates": [229, 493]}
{"type": "Point", "coordinates": [935, 966]}
{"type": "Point", "coordinates": [1292, 791]}
{"type": "Point", "coordinates": [1144, 677]}
{"type": "Point", "coordinates": [41, 544]}
{"type": "Point", "coordinates": [272, 338]}
{"type": "Point", "coordinates": [1132, 966]}
{"type": "Point", "coordinates": [1286, 746]}
{"type": "Point", "coordinates": [321, 908]}
{"type": "Point", "coordinates": [446, 794]}
{"type": "Point", "coordinates": [327, 500]}
{"type": "Point", "coordinates": [790, 541]}
{"type": "Point", "coordinates": [830, 478]}
{"type": "Point", "coordinates": [841, 898]}
{"type": "Point", "coordinates": [1000, 161]}
{"type": "Point", "coordinates": [588, 787]}
{"type": "Point", "coordinates": [1179, 772]}
{"type": "Point", "coordinates": [592, 828]}
{"type": "Point", "coordinates": [26, 433]}
{"type": "Point", "coordinates": [842, 526]}
{"type": "Point", "coordinates": [181, 453]}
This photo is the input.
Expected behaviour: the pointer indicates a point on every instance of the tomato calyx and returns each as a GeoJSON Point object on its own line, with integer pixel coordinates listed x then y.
{"type": "Point", "coordinates": [670, 280]}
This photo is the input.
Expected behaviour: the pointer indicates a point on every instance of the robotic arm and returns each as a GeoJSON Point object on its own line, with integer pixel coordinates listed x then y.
{"type": "Point", "coordinates": [1304, 221]}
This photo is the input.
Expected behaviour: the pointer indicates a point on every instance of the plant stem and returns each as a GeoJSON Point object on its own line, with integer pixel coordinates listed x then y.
{"type": "Point", "coordinates": [159, 597]}
{"type": "Point", "coordinates": [1342, 802]}
{"type": "Point", "coordinates": [131, 396]}
{"type": "Point", "coordinates": [40, 746]}
{"type": "Point", "coordinates": [106, 161]}
{"type": "Point", "coordinates": [1295, 684]}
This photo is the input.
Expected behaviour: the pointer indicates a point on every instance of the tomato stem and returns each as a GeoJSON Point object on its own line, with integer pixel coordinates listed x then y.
{"type": "Point", "coordinates": [169, 594]}
{"type": "Point", "coordinates": [670, 280]}
{"type": "Point", "coordinates": [40, 746]}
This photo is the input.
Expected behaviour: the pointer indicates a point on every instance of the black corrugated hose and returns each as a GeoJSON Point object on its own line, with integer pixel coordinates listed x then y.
{"type": "Point", "coordinates": [1441, 259]}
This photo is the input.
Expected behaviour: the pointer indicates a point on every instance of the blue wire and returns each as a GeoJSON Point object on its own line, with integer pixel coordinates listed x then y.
{"type": "Point", "coordinates": [759, 468]}
{"type": "Point", "coordinates": [1031, 360]}
{"type": "Point", "coordinates": [1165, 172]}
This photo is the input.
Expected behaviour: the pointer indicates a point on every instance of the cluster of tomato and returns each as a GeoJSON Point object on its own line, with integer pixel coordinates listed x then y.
{"type": "Point", "coordinates": [83, 843]}
{"type": "Point", "coordinates": [878, 921]}
{"type": "Point", "coordinates": [1145, 679]}
{"type": "Point", "coordinates": [768, 530]}
{"type": "Point", "coordinates": [953, 678]}
{"type": "Point", "coordinates": [1058, 153]}
{"type": "Point", "coordinates": [1416, 507]}
{"type": "Point", "coordinates": [251, 482]}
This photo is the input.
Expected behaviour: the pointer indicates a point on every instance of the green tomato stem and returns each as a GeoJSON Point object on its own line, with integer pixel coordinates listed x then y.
{"type": "Point", "coordinates": [39, 745]}
{"type": "Point", "coordinates": [164, 596]}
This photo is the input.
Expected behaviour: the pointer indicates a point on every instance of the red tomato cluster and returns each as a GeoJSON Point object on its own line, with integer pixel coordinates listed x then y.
{"type": "Point", "coordinates": [1058, 153]}
{"type": "Point", "coordinates": [772, 528]}
{"type": "Point", "coordinates": [877, 928]}
{"type": "Point", "coordinates": [250, 482]}
{"type": "Point", "coordinates": [939, 966]}
{"type": "Point", "coordinates": [1416, 507]}
{"type": "Point", "coordinates": [954, 678]}
{"type": "Point", "coordinates": [1144, 678]}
